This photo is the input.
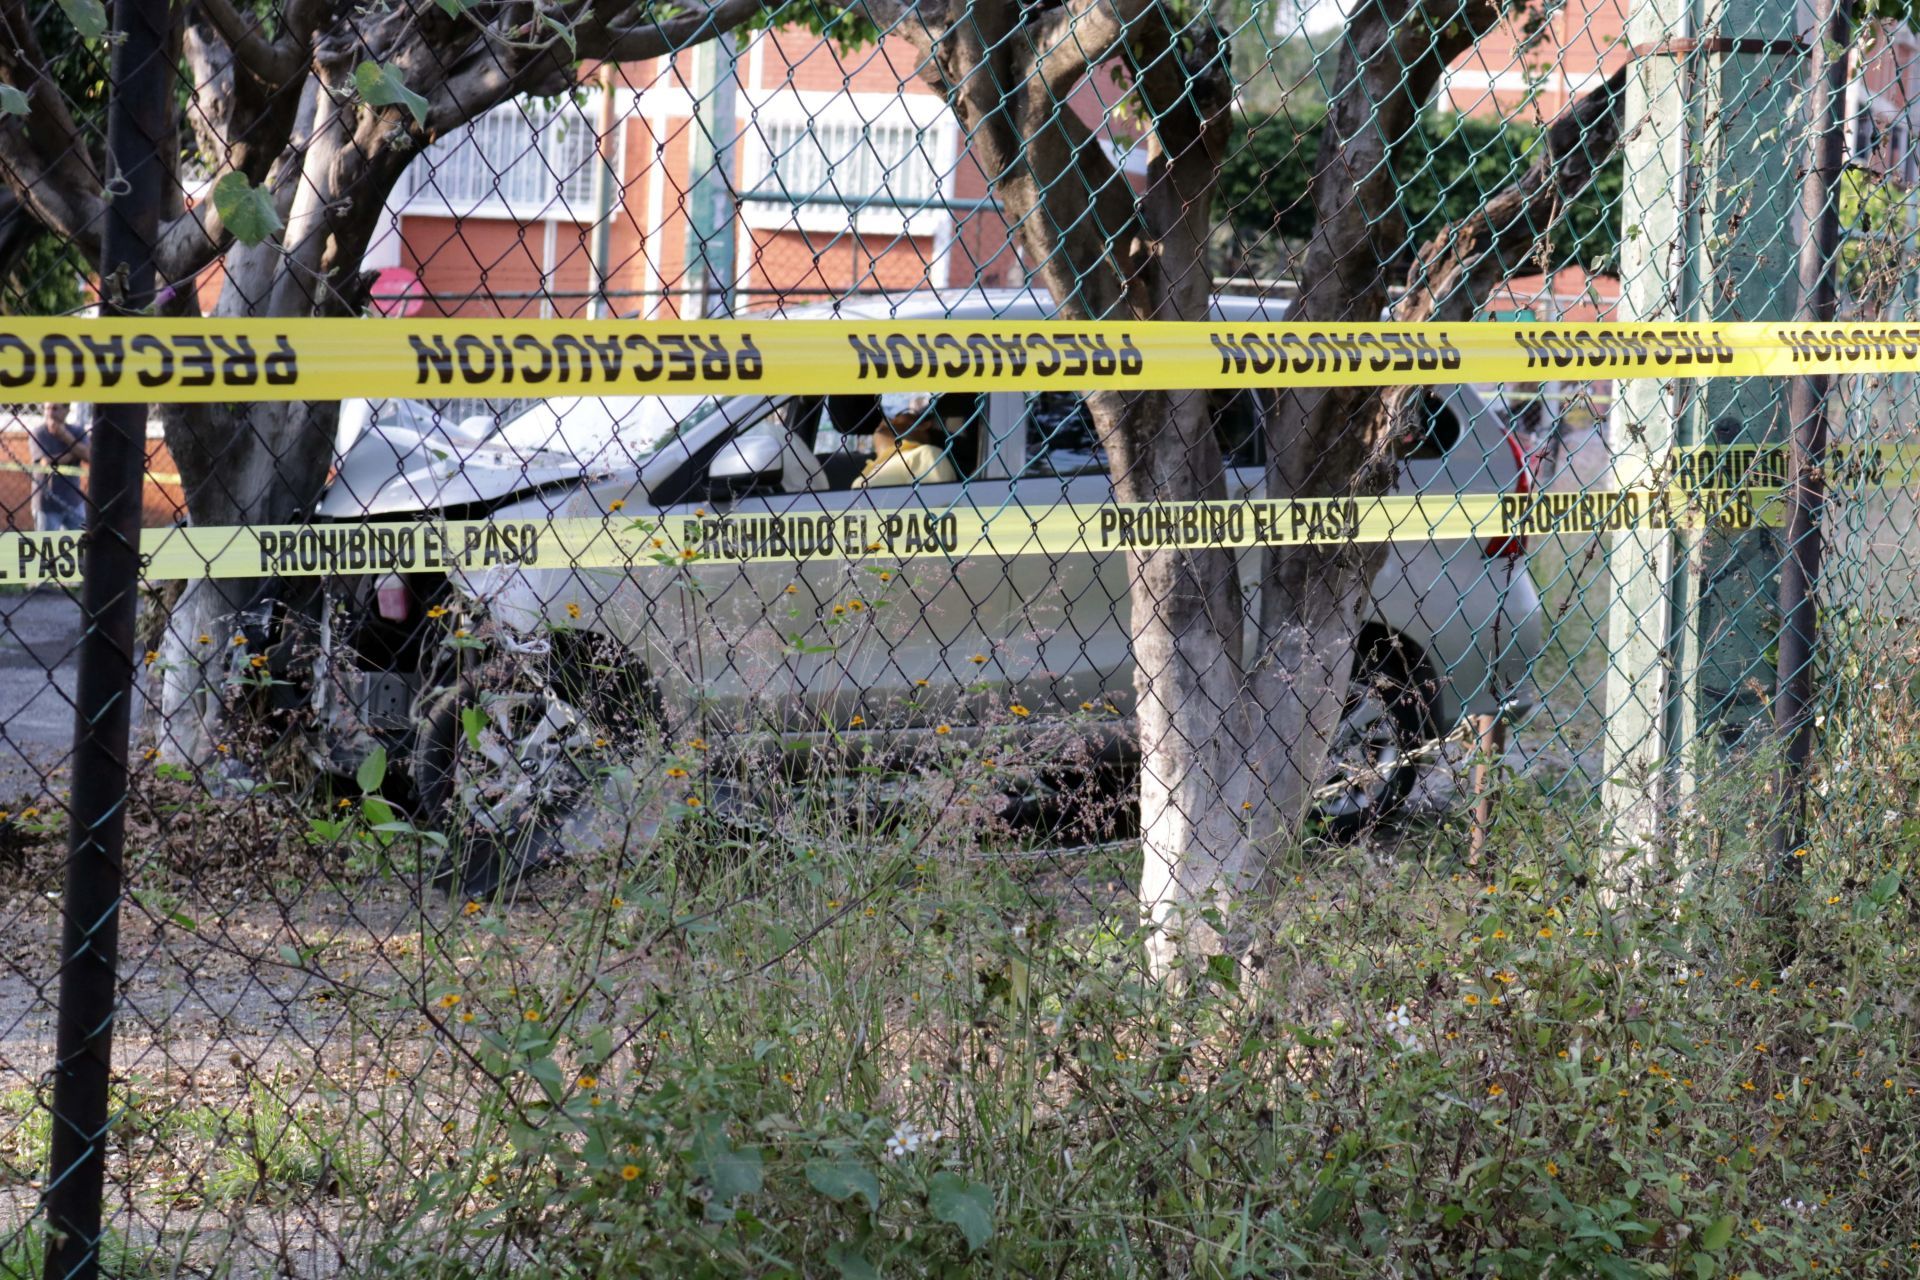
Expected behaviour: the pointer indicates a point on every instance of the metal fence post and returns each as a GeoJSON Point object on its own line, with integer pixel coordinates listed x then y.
{"type": "Point", "coordinates": [1692, 610]}
{"type": "Point", "coordinates": [138, 112]}
{"type": "Point", "coordinates": [1654, 282]}
{"type": "Point", "coordinates": [1807, 411]}
{"type": "Point", "coordinates": [712, 205]}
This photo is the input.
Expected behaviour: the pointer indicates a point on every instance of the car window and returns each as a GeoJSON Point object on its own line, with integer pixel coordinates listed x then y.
{"type": "Point", "coordinates": [897, 440]}
{"type": "Point", "coordinates": [1061, 440]}
{"type": "Point", "coordinates": [1240, 425]}
{"type": "Point", "coordinates": [1436, 431]}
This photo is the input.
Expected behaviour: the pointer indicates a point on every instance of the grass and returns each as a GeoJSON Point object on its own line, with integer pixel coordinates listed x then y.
{"type": "Point", "coordinates": [264, 1146]}
{"type": "Point", "coordinates": [867, 1029]}
{"type": "Point", "coordinates": [835, 1045]}
{"type": "Point", "coordinates": [23, 1256]}
{"type": "Point", "coordinates": [26, 1134]}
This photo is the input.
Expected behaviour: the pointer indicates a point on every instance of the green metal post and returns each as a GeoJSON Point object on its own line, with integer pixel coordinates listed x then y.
{"type": "Point", "coordinates": [711, 204]}
{"type": "Point", "coordinates": [1709, 235]}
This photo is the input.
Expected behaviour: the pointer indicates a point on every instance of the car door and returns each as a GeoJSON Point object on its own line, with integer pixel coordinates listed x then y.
{"type": "Point", "coordinates": [1069, 641]}
{"type": "Point", "coordinates": [1451, 596]}
{"type": "Point", "coordinates": [839, 645]}
{"type": "Point", "coordinates": [1065, 641]}
{"type": "Point", "coordinates": [901, 643]}
{"type": "Point", "coordinates": [704, 631]}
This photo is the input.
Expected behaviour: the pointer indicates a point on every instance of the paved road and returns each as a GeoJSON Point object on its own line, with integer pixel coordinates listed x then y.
{"type": "Point", "coordinates": [39, 635]}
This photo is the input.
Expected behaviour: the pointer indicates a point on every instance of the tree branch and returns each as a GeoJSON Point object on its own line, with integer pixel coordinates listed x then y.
{"type": "Point", "coordinates": [1078, 36]}
{"type": "Point", "coordinates": [45, 158]}
{"type": "Point", "coordinates": [1458, 270]}
{"type": "Point", "coordinates": [272, 62]}
{"type": "Point", "coordinates": [657, 39]}
{"type": "Point", "coordinates": [52, 191]}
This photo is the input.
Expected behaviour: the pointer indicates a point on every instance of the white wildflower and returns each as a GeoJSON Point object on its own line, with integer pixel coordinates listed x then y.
{"type": "Point", "coordinates": [1399, 1025]}
{"type": "Point", "coordinates": [907, 1139]}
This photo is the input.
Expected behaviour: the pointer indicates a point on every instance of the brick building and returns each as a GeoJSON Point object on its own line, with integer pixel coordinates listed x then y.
{"type": "Point", "coordinates": [850, 172]}
{"type": "Point", "coordinates": [851, 176]}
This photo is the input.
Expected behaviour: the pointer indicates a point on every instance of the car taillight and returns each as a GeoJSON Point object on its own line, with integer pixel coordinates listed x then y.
{"type": "Point", "coordinates": [1513, 548]}
{"type": "Point", "coordinates": [390, 595]}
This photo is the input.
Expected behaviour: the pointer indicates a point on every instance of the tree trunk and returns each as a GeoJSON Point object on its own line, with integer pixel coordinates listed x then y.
{"type": "Point", "coordinates": [1105, 253]}
{"type": "Point", "coordinates": [1330, 442]}
{"type": "Point", "coordinates": [1187, 624]}
{"type": "Point", "coordinates": [267, 463]}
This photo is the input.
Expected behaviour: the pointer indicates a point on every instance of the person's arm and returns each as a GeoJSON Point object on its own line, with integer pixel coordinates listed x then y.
{"type": "Point", "coordinates": [929, 464]}
{"type": "Point", "coordinates": [894, 470]}
{"type": "Point", "coordinates": [61, 444]}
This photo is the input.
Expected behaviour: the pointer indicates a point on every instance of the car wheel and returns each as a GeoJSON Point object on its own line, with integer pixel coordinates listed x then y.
{"type": "Point", "coordinates": [504, 747]}
{"type": "Point", "coordinates": [1372, 763]}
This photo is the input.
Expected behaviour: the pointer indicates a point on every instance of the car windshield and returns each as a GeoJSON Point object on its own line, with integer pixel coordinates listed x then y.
{"type": "Point", "coordinates": [602, 431]}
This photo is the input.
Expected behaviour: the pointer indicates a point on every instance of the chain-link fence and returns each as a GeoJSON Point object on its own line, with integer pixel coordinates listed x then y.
{"type": "Point", "coordinates": [1373, 809]}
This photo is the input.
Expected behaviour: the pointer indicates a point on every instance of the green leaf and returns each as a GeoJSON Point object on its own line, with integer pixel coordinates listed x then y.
{"type": "Point", "coordinates": [380, 85]}
{"type": "Point", "coordinates": [966, 1205]}
{"type": "Point", "coordinates": [1225, 970]}
{"type": "Point", "coordinates": [12, 101]}
{"type": "Point", "coordinates": [246, 209]}
{"type": "Point", "coordinates": [454, 8]}
{"type": "Point", "coordinates": [1718, 1235]}
{"type": "Point", "coordinates": [89, 17]}
{"type": "Point", "coordinates": [1327, 1202]}
{"type": "Point", "coordinates": [728, 1171]}
{"type": "Point", "coordinates": [838, 1179]}
{"type": "Point", "coordinates": [1883, 889]}
{"type": "Point", "coordinates": [548, 1073]}
{"type": "Point", "coordinates": [473, 720]}
{"type": "Point", "coordinates": [851, 1263]}
{"type": "Point", "coordinates": [372, 771]}
{"type": "Point", "coordinates": [376, 811]}
{"type": "Point", "coordinates": [564, 31]}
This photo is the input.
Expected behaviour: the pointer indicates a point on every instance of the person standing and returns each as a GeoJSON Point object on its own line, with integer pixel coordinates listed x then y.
{"type": "Point", "coordinates": [58, 446]}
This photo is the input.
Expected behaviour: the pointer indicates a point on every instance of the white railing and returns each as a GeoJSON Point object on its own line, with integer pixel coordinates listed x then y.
{"type": "Point", "coordinates": [853, 162]}
{"type": "Point", "coordinates": [525, 159]}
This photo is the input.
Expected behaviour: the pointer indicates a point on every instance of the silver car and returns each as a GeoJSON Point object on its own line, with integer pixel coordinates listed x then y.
{"type": "Point", "coordinates": [846, 655]}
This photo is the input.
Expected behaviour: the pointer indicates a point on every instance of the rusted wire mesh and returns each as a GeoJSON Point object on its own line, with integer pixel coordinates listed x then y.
{"type": "Point", "coordinates": [1436, 906]}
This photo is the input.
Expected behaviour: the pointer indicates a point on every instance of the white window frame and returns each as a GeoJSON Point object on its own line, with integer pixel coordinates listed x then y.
{"type": "Point", "coordinates": [566, 196]}
{"type": "Point", "coordinates": [778, 115]}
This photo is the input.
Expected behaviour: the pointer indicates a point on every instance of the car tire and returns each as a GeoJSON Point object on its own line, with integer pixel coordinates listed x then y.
{"type": "Point", "coordinates": [603, 698]}
{"type": "Point", "coordinates": [1373, 764]}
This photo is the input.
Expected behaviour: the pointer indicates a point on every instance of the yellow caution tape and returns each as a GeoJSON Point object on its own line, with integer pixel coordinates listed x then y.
{"type": "Point", "coordinates": [1767, 466]}
{"type": "Point", "coordinates": [133, 360]}
{"type": "Point", "coordinates": [881, 535]}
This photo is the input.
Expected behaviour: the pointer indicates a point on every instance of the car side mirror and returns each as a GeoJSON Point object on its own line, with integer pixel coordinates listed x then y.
{"type": "Point", "coordinates": [744, 466]}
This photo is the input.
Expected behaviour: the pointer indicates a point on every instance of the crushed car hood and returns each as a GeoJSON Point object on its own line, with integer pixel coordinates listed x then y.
{"type": "Point", "coordinates": [390, 471]}
{"type": "Point", "coordinates": [422, 466]}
